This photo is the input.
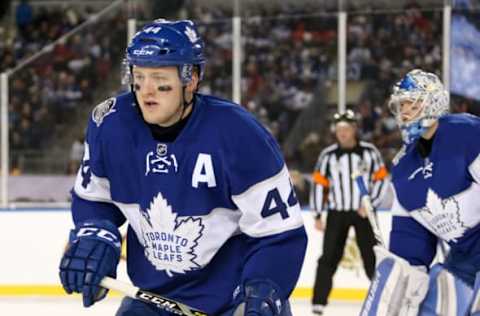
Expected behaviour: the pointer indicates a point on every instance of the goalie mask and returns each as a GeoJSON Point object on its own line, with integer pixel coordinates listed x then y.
{"type": "Point", "coordinates": [428, 101]}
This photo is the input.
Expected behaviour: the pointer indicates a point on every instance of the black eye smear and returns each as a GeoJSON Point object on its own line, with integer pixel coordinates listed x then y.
{"type": "Point", "coordinates": [164, 88]}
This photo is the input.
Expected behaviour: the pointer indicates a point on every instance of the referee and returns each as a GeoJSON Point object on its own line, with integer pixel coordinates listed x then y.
{"type": "Point", "coordinates": [334, 189]}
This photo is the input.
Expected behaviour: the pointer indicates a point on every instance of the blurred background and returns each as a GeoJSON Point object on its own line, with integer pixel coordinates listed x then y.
{"type": "Point", "coordinates": [292, 63]}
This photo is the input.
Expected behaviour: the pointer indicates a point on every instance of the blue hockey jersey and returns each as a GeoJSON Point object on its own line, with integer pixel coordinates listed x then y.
{"type": "Point", "coordinates": [437, 197]}
{"type": "Point", "coordinates": [206, 212]}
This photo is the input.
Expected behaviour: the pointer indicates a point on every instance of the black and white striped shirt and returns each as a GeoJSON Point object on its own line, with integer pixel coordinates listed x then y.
{"type": "Point", "coordinates": [333, 187]}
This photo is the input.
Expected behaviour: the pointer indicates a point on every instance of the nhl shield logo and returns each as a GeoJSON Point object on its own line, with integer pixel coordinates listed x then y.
{"type": "Point", "coordinates": [161, 149]}
{"type": "Point", "coordinates": [102, 110]}
{"type": "Point", "coordinates": [362, 167]}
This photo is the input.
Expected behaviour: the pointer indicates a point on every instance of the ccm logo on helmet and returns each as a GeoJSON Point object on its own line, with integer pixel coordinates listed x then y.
{"type": "Point", "coordinates": [143, 52]}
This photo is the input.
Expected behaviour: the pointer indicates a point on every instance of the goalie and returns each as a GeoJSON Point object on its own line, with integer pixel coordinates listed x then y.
{"type": "Point", "coordinates": [436, 182]}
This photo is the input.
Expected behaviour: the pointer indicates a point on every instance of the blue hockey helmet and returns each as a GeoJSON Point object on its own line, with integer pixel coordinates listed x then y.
{"type": "Point", "coordinates": [425, 89]}
{"type": "Point", "coordinates": [168, 43]}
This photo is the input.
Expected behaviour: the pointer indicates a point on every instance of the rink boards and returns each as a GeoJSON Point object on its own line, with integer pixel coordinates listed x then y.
{"type": "Point", "coordinates": [32, 242]}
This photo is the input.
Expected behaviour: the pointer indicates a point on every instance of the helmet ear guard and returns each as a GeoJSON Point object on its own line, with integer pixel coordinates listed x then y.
{"type": "Point", "coordinates": [186, 73]}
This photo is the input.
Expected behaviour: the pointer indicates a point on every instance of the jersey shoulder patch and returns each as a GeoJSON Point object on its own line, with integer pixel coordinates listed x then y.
{"type": "Point", "coordinates": [102, 110]}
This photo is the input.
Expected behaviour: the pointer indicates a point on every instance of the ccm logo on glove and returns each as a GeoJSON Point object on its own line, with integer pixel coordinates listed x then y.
{"type": "Point", "coordinates": [98, 232]}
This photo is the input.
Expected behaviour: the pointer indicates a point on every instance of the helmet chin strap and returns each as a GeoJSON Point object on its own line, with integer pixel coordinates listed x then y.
{"type": "Point", "coordinates": [184, 103]}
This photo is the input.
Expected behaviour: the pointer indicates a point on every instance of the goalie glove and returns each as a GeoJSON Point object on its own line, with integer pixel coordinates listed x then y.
{"type": "Point", "coordinates": [93, 252]}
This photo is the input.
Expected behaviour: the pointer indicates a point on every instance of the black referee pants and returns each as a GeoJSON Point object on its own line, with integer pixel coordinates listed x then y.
{"type": "Point", "coordinates": [335, 237]}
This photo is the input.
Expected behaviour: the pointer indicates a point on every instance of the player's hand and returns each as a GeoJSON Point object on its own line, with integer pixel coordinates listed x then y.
{"type": "Point", "coordinates": [260, 298]}
{"type": "Point", "coordinates": [93, 252]}
{"type": "Point", "coordinates": [319, 224]}
{"type": "Point", "coordinates": [362, 212]}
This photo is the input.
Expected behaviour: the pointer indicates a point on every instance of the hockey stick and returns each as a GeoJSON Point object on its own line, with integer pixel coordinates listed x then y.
{"type": "Point", "coordinates": [367, 204]}
{"type": "Point", "coordinates": [159, 301]}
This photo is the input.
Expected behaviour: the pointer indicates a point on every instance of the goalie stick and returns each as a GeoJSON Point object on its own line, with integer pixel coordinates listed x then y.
{"type": "Point", "coordinates": [367, 204]}
{"type": "Point", "coordinates": [159, 301]}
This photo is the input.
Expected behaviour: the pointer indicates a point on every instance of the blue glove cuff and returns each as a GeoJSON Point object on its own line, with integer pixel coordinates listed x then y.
{"type": "Point", "coordinates": [261, 296]}
{"type": "Point", "coordinates": [101, 230]}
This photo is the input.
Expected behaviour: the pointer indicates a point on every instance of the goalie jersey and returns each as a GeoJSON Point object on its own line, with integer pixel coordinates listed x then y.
{"type": "Point", "coordinates": [437, 196]}
{"type": "Point", "coordinates": [207, 211]}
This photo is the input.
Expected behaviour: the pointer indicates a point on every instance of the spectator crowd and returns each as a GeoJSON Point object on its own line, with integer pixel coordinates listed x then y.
{"type": "Point", "coordinates": [47, 93]}
{"type": "Point", "coordinates": [290, 56]}
{"type": "Point", "coordinates": [289, 65]}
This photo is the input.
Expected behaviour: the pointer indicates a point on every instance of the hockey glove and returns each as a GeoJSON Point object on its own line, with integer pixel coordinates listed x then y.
{"type": "Point", "coordinates": [93, 252]}
{"type": "Point", "coordinates": [259, 298]}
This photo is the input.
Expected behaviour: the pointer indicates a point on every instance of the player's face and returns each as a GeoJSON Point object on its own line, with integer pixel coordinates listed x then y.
{"type": "Point", "coordinates": [345, 133]}
{"type": "Point", "coordinates": [159, 94]}
{"type": "Point", "coordinates": [410, 110]}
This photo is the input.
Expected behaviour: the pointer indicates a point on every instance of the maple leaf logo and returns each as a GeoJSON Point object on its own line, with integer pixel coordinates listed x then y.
{"type": "Point", "coordinates": [443, 216]}
{"type": "Point", "coordinates": [169, 242]}
{"type": "Point", "coordinates": [191, 34]}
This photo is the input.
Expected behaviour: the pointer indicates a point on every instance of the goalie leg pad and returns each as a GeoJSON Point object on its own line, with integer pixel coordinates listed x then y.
{"type": "Point", "coordinates": [397, 288]}
{"type": "Point", "coordinates": [447, 294]}
{"type": "Point", "coordinates": [475, 304]}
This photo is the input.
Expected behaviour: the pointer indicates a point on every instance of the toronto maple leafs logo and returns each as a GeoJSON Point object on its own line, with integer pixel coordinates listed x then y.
{"type": "Point", "coordinates": [169, 242]}
{"type": "Point", "coordinates": [443, 216]}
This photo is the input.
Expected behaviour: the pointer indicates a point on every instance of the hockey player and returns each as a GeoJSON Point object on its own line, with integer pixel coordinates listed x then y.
{"type": "Point", "coordinates": [211, 210]}
{"type": "Point", "coordinates": [436, 181]}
